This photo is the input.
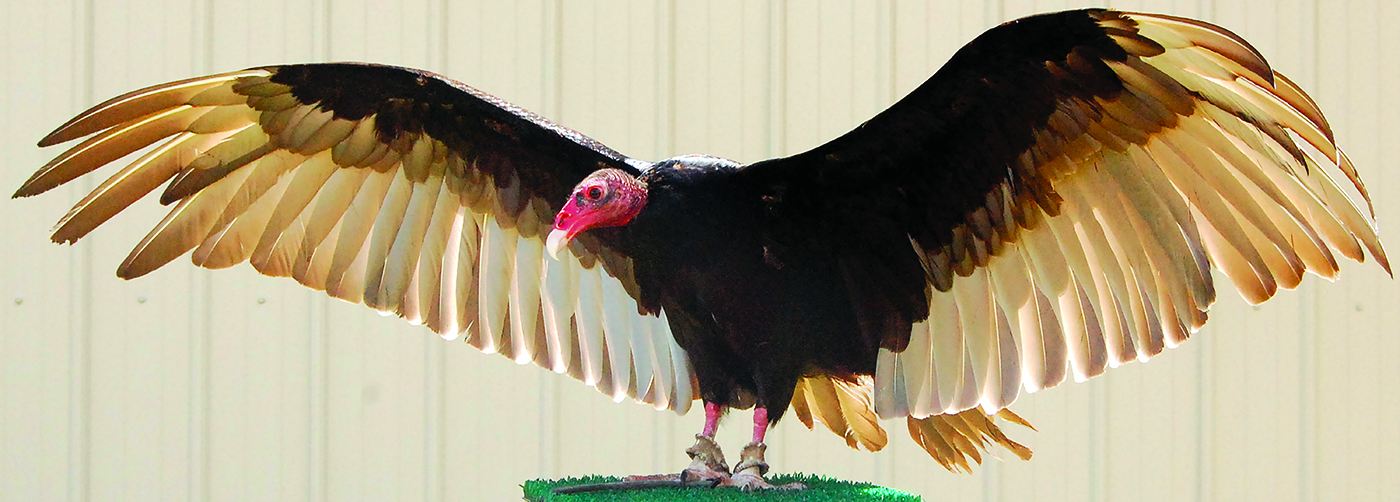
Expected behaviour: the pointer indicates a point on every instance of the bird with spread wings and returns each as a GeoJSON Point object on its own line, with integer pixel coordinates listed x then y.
{"type": "Point", "coordinates": [1048, 204]}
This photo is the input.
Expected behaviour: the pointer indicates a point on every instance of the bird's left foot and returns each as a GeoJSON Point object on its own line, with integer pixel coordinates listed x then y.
{"type": "Point", "coordinates": [748, 474]}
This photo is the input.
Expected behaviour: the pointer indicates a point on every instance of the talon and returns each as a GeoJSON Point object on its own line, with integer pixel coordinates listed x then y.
{"type": "Point", "coordinates": [752, 459]}
{"type": "Point", "coordinates": [706, 456]}
{"type": "Point", "coordinates": [749, 472]}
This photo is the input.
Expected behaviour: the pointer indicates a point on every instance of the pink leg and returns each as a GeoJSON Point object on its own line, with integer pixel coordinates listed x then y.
{"type": "Point", "coordinates": [748, 473]}
{"type": "Point", "coordinates": [711, 419]}
{"type": "Point", "coordinates": [707, 461]}
{"type": "Point", "coordinates": [707, 466]}
{"type": "Point", "coordinates": [760, 423]}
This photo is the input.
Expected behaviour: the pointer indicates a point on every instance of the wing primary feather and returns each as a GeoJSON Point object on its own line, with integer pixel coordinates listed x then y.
{"type": "Point", "coordinates": [1299, 100]}
{"type": "Point", "coordinates": [1172, 291]}
{"type": "Point", "coordinates": [130, 184]}
{"type": "Point", "coordinates": [1253, 286]}
{"type": "Point", "coordinates": [1119, 216]}
{"type": "Point", "coordinates": [1164, 235]}
{"type": "Point", "coordinates": [186, 225]}
{"type": "Point", "coordinates": [232, 239]}
{"type": "Point", "coordinates": [1247, 167]}
{"type": "Point", "coordinates": [1207, 36]}
{"type": "Point", "coordinates": [1111, 276]}
{"type": "Point", "coordinates": [108, 146]}
{"type": "Point", "coordinates": [238, 150]}
{"type": "Point", "coordinates": [1351, 217]}
{"type": "Point", "coordinates": [1209, 204]}
{"type": "Point", "coordinates": [140, 103]}
{"type": "Point", "coordinates": [1288, 175]}
{"type": "Point", "coordinates": [1154, 182]}
{"type": "Point", "coordinates": [1210, 168]}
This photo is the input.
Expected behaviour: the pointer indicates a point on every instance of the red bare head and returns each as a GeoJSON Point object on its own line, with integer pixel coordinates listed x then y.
{"type": "Point", "coordinates": [606, 198]}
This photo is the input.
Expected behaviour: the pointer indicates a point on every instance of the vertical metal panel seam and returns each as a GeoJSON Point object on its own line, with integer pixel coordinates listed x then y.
{"type": "Point", "coordinates": [671, 70]}
{"type": "Point", "coordinates": [1205, 398]}
{"type": "Point", "coordinates": [318, 416]}
{"type": "Point", "coordinates": [1309, 399]}
{"type": "Point", "coordinates": [80, 354]}
{"type": "Point", "coordinates": [553, 13]}
{"type": "Point", "coordinates": [778, 105]}
{"type": "Point", "coordinates": [434, 397]}
{"type": "Point", "coordinates": [201, 313]}
{"type": "Point", "coordinates": [884, 468]}
{"type": "Point", "coordinates": [1308, 324]}
{"type": "Point", "coordinates": [820, 109]}
{"type": "Point", "coordinates": [891, 94]}
{"type": "Point", "coordinates": [991, 479]}
{"type": "Point", "coordinates": [444, 24]}
{"type": "Point", "coordinates": [666, 17]}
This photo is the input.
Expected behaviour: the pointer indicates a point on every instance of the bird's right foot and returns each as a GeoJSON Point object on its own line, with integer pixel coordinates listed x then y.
{"type": "Point", "coordinates": [707, 466]}
{"type": "Point", "coordinates": [706, 461]}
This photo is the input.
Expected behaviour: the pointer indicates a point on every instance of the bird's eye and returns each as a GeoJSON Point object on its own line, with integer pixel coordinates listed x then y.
{"type": "Point", "coordinates": [595, 193]}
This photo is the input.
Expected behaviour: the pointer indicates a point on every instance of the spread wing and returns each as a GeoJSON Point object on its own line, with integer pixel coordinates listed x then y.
{"type": "Point", "coordinates": [1061, 189]}
{"type": "Point", "coordinates": [394, 187]}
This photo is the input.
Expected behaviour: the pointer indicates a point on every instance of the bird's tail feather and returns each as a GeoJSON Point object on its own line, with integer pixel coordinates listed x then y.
{"type": "Point", "coordinates": [952, 440]}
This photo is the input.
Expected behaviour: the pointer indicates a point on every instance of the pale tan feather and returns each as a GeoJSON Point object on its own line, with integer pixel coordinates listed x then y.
{"type": "Point", "coordinates": [109, 145]}
{"type": "Point", "coordinates": [143, 102]}
{"type": "Point", "coordinates": [130, 184]}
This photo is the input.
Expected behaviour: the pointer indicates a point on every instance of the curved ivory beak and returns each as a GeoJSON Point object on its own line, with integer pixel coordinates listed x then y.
{"type": "Point", "coordinates": [557, 241]}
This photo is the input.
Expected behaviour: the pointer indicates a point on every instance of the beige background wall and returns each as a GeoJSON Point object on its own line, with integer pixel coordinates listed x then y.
{"type": "Point", "coordinates": [229, 386]}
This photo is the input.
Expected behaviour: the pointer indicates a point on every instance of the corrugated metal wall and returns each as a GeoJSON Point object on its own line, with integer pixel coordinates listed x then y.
{"type": "Point", "coordinates": [226, 385]}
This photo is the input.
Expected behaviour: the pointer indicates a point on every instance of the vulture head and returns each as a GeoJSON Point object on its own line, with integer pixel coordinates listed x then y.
{"type": "Point", "coordinates": [606, 198]}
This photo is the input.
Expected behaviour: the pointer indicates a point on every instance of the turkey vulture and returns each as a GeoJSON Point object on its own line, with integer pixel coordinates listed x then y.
{"type": "Point", "coordinates": [1048, 203]}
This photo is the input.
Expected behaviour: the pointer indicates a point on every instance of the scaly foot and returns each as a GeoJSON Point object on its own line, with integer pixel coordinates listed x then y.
{"type": "Point", "coordinates": [707, 466]}
{"type": "Point", "coordinates": [748, 474]}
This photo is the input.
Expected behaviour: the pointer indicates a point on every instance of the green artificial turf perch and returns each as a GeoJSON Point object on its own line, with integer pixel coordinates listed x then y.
{"type": "Point", "coordinates": [819, 488]}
